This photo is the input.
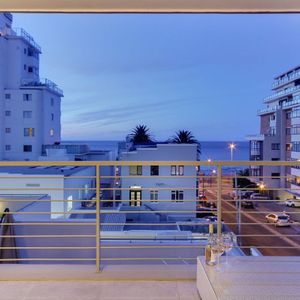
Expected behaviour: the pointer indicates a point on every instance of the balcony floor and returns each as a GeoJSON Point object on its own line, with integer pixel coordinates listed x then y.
{"type": "Point", "coordinates": [77, 282]}
{"type": "Point", "coordinates": [98, 290]}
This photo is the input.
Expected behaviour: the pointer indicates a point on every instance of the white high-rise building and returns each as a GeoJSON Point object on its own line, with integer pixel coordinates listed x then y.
{"type": "Point", "coordinates": [279, 137]}
{"type": "Point", "coordinates": [29, 106]}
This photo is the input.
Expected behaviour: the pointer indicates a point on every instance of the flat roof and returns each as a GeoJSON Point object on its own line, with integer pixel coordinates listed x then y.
{"type": "Point", "coordinates": [43, 170]}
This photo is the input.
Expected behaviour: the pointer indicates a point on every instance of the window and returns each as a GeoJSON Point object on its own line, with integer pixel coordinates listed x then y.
{"type": "Point", "coordinates": [7, 130]}
{"type": "Point", "coordinates": [25, 50]}
{"type": "Point", "coordinates": [29, 131]}
{"type": "Point", "coordinates": [52, 117]}
{"type": "Point", "coordinates": [135, 170]}
{"type": "Point", "coordinates": [288, 115]}
{"type": "Point", "coordinates": [275, 146]}
{"type": "Point", "coordinates": [27, 148]}
{"type": "Point", "coordinates": [25, 67]}
{"type": "Point", "coordinates": [275, 175]}
{"type": "Point", "coordinates": [7, 147]}
{"type": "Point", "coordinates": [154, 196]}
{"type": "Point", "coordinates": [7, 113]}
{"type": "Point", "coordinates": [52, 102]}
{"type": "Point", "coordinates": [272, 117]}
{"type": "Point", "coordinates": [177, 196]}
{"type": "Point", "coordinates": [288, 147]}
{"type": "Point", "coordinates": [288, 131]}
{"type": "Point", "coordinates": [27, 97]}
{"type": "Point", "coordinates": [154, 170]}
{"type": "Point", "coordinates": [27, 114]}
{"type": "Point", "coordinates": [275, 158]}
{"type": "Point", "coordinates": [177, 170]}
{"type": "Point", "coordinates": [51, 132]}
{"type": "Point", "coordinates": [30, 69]}
{"type": "Point", "coordinates": [7, 96]}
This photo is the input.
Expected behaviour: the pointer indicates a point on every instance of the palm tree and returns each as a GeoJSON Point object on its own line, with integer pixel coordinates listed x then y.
{"type": "Point", "coordinates": [140, 135]}
{"type": "Point", "coordinates": [186, 137]}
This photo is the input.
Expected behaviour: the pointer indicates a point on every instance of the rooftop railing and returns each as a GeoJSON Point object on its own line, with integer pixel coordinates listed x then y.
{"type": "Point", "coordinates": [41, 82]}
{"type": "Point", "coordinates": [26, 36]}
{"type": "Point", "coordinates": [116, 212]}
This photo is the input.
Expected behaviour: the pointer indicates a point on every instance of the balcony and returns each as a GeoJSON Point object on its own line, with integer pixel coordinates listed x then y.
{"type": "Point", "coordinates": [40, 83]}
{"type": "Point", "coordinates": [283, 93]}
{"type": "Point", "coordinates": [255, 137]}
{"type": "Point", "coordinates": [72, 220]}
{"type": "Point", "coordinates": [286, 79]}
{"type": "Point", "coordinates": [20, 32]}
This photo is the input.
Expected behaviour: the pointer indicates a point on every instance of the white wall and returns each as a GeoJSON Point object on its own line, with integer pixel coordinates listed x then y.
{"type": "Point", "coordinates": [22, 184]}
{"type": "Point", "coordinates": [164, 152]}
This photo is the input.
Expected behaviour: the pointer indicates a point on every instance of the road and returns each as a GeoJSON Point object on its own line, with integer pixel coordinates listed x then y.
{"type": "Point", "coordinates": [268, 239]}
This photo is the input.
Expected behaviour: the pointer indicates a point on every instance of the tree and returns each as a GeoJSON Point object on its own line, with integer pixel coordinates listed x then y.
{"type": "Point", "coordinates": [184, 137]}
{"type": "Point", "coordinates": [140, 135]}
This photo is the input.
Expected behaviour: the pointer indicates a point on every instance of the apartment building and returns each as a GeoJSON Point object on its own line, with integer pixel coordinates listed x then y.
{"type": "Point", "coordinates": [29, 105]}
{"type": "Point", "coordinates": [161, 188]}
{"type": "Point", "coordinates": [279, 137]}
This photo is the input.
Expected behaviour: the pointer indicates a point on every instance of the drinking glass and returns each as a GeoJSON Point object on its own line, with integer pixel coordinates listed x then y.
{"type": "Point", "coordinates": [218, 249]}
{"type": "Point", "coordinates": [227, 240]}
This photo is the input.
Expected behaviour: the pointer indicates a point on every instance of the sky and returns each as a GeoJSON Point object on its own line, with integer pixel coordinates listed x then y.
{"type": "Point", "coordinates": [207, 73]}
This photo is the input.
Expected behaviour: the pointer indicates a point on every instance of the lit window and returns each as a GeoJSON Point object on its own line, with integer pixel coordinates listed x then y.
{"type": "Point", "coordinates": [27, 114]}
{"type": "Point", "coordinates": [27, 97]}
{"type": "Point", "coordinates": [135, 170]}
{"type": "Point", "coordinates": [177, 170]}
{"type": "Point", "coordinates": [51, 132]}
{"type": "Point", "coordinates": [27, 148]}
{"type": "Point", "coordinates": [154, 196]}
{"type": "Point", "coordinates": [29, 131]}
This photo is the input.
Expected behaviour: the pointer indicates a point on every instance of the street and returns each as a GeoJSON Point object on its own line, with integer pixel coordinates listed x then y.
{"type": "Point", "coordinates": [254, 230]}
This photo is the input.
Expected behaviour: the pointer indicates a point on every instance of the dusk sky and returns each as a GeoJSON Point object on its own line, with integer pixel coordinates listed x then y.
{"type": "Point", "coordinates": [207, 73]}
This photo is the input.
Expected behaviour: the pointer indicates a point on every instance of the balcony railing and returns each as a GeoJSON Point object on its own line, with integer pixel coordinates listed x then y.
{"type": "Point", "coordinates": [286, 79]}
{"type": "Point", "coordinates": [84, 212]}
{"type": "Point", "coordinates": [283, 93]}
{"type": "Point", "coordinates": [26, 36]}
{"type": "Point", "coordinates": [41, 82]}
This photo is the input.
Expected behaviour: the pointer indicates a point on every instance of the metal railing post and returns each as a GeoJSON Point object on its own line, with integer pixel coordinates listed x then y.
{"type": "Point", "coordinates": [97, 218]}
{"type": "Point", "coordinates": [219, 200]}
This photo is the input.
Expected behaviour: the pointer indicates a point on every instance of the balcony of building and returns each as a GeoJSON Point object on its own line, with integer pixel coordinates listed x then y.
{"type": "Point", "coordinates": [118, 240]}
{"type": "Point", "coordinates": [41, 83]}
{"type": "Point", "coordinates": [283, 93]}
{"type": "Point", "coordinates": [287, 78]}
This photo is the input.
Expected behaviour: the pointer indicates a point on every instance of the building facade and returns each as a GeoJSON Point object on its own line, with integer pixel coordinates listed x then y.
{"type": "Point", "coordinates": [161, 188]}
{"type": "Point", "coordinates": [30, 107]}
{"type": "Point", "coordinates": [279, 137]}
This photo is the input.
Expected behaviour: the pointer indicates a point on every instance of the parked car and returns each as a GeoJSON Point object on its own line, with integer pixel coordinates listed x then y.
{"type": "Point", "coordinates": [292, 202]}
{"type": "Point", "coordinates": [278, 219]}
{"type": "Point", "coordinates": [247, 204]}
{"type": "Point", "coordinates": [257, 196]}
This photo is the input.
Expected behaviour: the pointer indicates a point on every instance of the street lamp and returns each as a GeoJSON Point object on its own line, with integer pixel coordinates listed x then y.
{"type": "Point", "coordinates": [232, 147]}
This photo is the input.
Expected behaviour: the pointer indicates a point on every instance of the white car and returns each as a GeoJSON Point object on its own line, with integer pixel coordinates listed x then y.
{"type": "Point", "coordinates": [292, 202]}
{"type": "Point", "coordinates": [278, 219]}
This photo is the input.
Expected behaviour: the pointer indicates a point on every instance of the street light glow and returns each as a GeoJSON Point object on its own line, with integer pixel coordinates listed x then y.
{"type": "Point", "coordinates": [232, 146]}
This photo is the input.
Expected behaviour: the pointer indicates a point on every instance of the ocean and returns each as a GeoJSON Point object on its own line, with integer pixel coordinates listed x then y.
{"type": "Point", "coordinates": [209, 150]}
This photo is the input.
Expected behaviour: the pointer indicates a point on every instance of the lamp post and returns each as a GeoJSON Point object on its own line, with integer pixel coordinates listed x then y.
{"type": "Point", "coordinates": [232, 147]}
